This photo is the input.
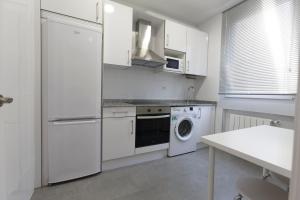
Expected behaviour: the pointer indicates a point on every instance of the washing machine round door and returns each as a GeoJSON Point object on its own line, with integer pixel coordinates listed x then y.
{"type": "Point", "coordinates": [184, 129]}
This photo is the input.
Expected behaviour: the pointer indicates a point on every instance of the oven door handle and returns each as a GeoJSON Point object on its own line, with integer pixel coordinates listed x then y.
{"type": "Point", "coordinates": [153, 117]}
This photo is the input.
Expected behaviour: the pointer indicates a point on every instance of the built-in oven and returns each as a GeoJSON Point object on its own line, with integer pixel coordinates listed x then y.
{"type": "Point", "coordinates": [152, 126]}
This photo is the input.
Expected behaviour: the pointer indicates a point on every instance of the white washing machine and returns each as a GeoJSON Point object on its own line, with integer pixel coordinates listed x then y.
{"type": "Point", "coordinates": [183, 137]}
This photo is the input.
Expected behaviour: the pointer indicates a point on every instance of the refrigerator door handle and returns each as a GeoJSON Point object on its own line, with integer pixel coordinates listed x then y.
{"type": "Point", "coordinates": [74, 122]}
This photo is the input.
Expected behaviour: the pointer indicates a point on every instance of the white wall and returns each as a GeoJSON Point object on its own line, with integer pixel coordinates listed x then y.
{"type": "Point", "coordinates": [143, 83]}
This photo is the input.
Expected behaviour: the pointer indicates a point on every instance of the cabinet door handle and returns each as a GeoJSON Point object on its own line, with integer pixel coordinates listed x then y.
{"type": "Point", "coordinates": [120, 112]}
{"type": "Point", "coordinates": [168, 40]}
{"type": "Point", "coordinates": [132, 128]}
{"type": "Point", "coordinates": [97, 11]}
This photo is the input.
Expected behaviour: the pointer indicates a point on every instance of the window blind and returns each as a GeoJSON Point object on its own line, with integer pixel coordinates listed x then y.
{"type": "Point", "coordinates": [260, 48]}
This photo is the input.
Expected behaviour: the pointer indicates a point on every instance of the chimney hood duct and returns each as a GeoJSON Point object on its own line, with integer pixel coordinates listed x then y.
{"type": "Point", "coordinates": [144, 56]}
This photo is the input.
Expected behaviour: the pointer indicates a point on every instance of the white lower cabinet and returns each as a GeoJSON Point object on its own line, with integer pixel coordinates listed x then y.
{"type": "Point", "coordinates": [206, 124]}
{"type": "Point", "coordinates": [118, 135]}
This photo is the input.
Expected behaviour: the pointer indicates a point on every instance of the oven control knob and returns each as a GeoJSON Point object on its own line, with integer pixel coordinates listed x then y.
{"type": "Point", "coordinates": [148, 110]}
{"type": "Point", "coordinates": [159, 110]}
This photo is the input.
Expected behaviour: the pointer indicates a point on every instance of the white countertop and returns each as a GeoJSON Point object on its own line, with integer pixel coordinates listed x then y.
{"type": "Point", "coordinates": [266, 146]}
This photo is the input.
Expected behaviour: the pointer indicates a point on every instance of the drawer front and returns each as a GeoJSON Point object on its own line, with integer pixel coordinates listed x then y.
{"type": "Point", "coordinates": [119, 112]}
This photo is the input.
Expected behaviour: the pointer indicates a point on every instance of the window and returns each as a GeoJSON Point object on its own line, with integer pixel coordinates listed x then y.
{"type": "Point", "coordinates": [260, 50]}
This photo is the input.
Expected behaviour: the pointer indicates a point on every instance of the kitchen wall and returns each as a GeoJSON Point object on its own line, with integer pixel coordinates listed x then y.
{"type": "Point", "coordinates": [144, 83]}
{"type": "Point", "coordinates": [208, 87]}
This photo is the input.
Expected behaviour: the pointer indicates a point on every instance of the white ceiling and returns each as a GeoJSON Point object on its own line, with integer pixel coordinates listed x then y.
{"type": "Point", "coordinates": [193, 12]}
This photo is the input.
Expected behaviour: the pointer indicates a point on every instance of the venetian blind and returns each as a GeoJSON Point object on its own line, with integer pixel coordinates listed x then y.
{"type": "Point", "coordinates": [260, 50]}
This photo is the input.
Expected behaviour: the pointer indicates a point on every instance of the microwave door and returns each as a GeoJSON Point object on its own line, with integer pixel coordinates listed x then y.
{"type": "Point", "coordinates": [173, 64]}
{"type": "Point", "coordinates": [72, 63]}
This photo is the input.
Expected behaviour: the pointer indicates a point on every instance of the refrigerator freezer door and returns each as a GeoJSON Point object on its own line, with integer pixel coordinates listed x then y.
{"type": "Point", "coordinates": [74, 149]}
{"type": "Point", "coordinates": [72, 64]}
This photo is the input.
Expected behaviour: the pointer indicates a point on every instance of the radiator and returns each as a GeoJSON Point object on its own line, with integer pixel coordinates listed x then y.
{"type": "Point", "coordinates": [242, 121]}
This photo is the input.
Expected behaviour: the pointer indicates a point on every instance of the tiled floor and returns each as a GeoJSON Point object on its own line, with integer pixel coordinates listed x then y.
{"type": "Point", "coordinates": [179, 178]}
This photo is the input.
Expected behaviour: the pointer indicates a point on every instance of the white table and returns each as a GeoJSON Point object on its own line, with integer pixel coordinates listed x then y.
{"type": "Point", "coordinates": [266, 146]}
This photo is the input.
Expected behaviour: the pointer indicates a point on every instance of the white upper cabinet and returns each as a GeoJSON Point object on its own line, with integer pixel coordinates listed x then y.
{"type": "Point", "coordinates": [118, 20]}
{"type": "Point", "coordinates": [175, 36]}
{"type": "Point", "coordinates": [90, 10]}
{"type": "Point", "coordinates": [196, 54]}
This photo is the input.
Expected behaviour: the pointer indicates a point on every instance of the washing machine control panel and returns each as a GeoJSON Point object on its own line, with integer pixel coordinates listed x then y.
{"type": "Point", "coordinates": [194, 112]}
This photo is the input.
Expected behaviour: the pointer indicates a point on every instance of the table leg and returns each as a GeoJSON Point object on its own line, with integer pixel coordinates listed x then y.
{"type": "Point", "coordinates": [211, 173]}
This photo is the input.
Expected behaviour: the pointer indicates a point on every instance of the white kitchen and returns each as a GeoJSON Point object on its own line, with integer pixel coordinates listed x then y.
{"type": "Point", "coordinates": [137, 99]}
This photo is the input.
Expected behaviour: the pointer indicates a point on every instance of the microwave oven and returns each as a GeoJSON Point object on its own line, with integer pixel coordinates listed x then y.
{"type": "Point", "coordinates": [174, 64]}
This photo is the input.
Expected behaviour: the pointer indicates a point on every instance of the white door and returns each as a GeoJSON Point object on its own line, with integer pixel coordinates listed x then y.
{"type": "Point", "coordinates": [72, 65]}
{"type": "Point", "coordinates": [18, 35]}
{"type": "Point", "coordinates": [90, 10]}
{"type": "Point", "coordinates": [196, 56]}
{"type": "Point", "coordinates": [118, 137]}
{"type": "Point", "coordinates": [117, 33]}
{"type": "Point", "coordinates": [175, 36]}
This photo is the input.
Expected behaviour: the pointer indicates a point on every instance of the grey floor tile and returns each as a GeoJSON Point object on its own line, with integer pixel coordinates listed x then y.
{"type": "Point", "coordinates": [178, 178]}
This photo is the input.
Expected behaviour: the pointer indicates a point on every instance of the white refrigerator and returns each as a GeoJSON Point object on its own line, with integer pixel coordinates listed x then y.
{"type": "Point", "coordinates": [71, 71]}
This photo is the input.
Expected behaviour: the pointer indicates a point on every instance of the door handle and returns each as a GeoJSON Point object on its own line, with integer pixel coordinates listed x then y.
{"type": "Point", "coordinates": [5, 100]}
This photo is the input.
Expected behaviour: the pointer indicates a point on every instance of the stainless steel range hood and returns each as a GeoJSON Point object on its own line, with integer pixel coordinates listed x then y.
{"type": "Point", "coordinates": [144, 56]}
